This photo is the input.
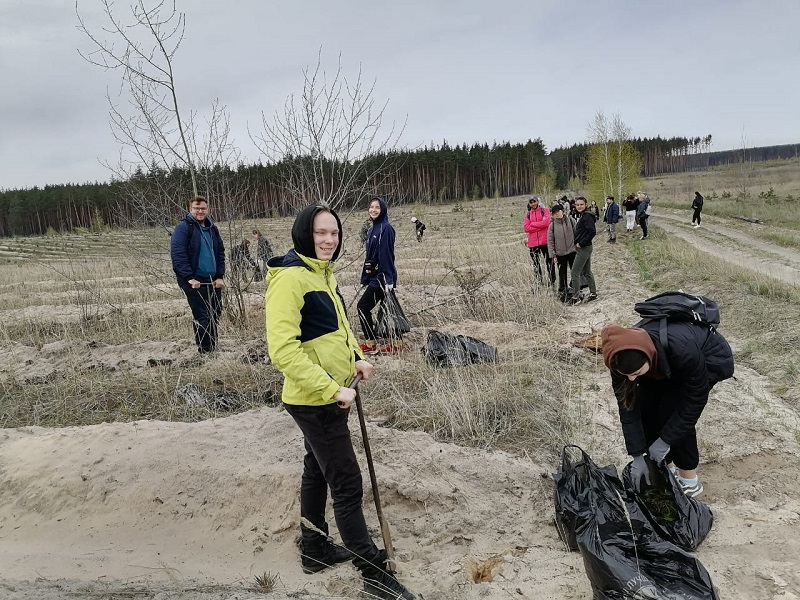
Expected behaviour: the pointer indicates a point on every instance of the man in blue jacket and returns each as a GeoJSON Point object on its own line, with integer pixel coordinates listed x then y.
{"type": "Point", "coordinates": [611, 218]}
{"type": "Point", "coordinates": [198, 259]}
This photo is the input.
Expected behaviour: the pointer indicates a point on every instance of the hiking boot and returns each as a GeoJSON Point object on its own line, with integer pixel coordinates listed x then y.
{"type": "Point", "coordinates": [382, 585]}
{"type": "Point", "coordinates": [690, 487]}
{"type": "Point", "coordinates": [316, 559]}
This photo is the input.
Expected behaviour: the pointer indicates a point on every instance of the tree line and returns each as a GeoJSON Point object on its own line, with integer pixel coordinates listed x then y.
{"type": "Point", "coordinates": [429, 175]}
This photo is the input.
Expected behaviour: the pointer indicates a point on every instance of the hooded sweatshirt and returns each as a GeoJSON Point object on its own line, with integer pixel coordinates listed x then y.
{"type": "Point", "coordinates": [561, 236]}
{"type": "Point", "coordinates": [308, 335]}
{"type": "Point", "coordinates": [380, 250]}
{"type": "Point", "coordinates": [535, 224]}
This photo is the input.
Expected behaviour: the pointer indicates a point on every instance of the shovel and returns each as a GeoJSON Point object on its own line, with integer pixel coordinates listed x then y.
{"type": "Point", "coordinates": [391, 566]}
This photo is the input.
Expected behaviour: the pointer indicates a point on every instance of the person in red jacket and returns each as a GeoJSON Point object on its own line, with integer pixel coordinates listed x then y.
{"type": "Point", "coordinates": [536, 222]}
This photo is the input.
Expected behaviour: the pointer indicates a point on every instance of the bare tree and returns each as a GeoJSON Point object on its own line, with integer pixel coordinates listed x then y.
{"type": "Point", "coordinates": [331, 140]}
{"type": "Point", "coordinates": [160, 142]}
{"type": "Point", "coordinates": [143, 49]}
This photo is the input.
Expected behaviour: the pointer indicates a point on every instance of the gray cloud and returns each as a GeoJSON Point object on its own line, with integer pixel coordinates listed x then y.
{"type": "Point", "coordinates": [461, 71]}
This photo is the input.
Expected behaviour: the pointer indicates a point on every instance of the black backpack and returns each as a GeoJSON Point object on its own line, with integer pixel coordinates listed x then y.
{"type": "Point", "coordinates": [678, 306]}
{"type": "Point", "coordinates": [689, 308]}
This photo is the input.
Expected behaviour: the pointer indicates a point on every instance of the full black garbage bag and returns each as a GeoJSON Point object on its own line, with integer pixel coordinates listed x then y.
{"type": "Point", "coordinates": [624, 556]}
{"type": "Point", "coordinates": [445, 350]}
{"type": "Point", "coordinates": [676, 517]}
{"type": "Point", "coordinates": [392, 322]}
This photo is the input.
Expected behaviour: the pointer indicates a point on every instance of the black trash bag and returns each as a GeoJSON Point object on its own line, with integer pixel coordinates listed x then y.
{"type": "Point", "coordinates": [392, 322]}
{"type": "Point", "coordinates": [676, 517]}
{"type": "Point", "coordinates": [477, 351]}
{"type": "Point", "coordinates": [624, 557]}
{"type": "Point", "coordinates": [445, 350]}
{"type": "Point", "coordinates": [571, 487]}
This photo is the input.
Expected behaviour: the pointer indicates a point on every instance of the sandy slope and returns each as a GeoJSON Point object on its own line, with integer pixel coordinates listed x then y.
{"type": "Point", "coordinates": [194, 511]}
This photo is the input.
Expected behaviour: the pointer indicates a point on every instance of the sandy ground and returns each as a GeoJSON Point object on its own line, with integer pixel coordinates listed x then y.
{"type": "Point", "coordinates": [195, 511]}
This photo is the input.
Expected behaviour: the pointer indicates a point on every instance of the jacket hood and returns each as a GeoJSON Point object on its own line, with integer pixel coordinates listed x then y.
{"type": "Point", "coordinates": [616, 338]}
{"type": "Point", "coordinates": [277, 264]}
{"type": "Point", "coordinates": [384, 216]}
{"type": "Point", "coordinates": [303, 231]}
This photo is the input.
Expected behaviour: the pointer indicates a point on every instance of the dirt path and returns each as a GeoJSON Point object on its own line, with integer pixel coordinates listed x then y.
{"type": "Point", "coordinates": [733, 245]}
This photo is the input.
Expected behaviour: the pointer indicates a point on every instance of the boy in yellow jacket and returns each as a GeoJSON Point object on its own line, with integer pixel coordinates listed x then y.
{"type": "Point", "coordinates": [310, 341]}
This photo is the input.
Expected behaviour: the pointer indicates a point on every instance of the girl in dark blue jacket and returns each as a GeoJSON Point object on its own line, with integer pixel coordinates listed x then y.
{"type": "Point", "coordinates": [379, 274]}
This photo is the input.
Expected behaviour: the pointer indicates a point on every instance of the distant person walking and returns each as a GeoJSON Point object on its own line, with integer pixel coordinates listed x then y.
{"type": "Point", "coordinates": [585, 230]}
{"type": "Point", "coordinates": [198, 259]}
{"type": "Point", "coordinates": [535, 224]}
{"type": "Point", "coordinates": [419, 227]}
{"type": "Point", "coordinates": [643, 213]}
{"type": "Point", "coordinates": [631, 204]}
{"type": "Point", "coordinates": [697, 206]}
{"type": "Point", "coordinates": [561, 246]}
{"type": "Point", "coordinates": [611, 219]}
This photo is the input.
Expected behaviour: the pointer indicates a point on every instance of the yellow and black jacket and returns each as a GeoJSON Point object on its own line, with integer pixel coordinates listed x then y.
{"type": "Point", "coordinates": [308, 335]}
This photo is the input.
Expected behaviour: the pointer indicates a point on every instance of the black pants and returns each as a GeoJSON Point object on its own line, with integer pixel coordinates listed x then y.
{"type": "Point", "coordinates": [643, 224]}
{"type": "Point", "coordinates": [696, 216]}
{"type": "Point", "coordinates": [537, 254]}
{"type": "Point", "coordinates": [564, 263]}
{"type": "Point", "coordinates": [372, 295]}
{"type": "Point", "coordinates": [658, 403]}
{"type": "Point", "coordinates": [330, 463]}
{"type": "Point", "coordinates": [206, 305]}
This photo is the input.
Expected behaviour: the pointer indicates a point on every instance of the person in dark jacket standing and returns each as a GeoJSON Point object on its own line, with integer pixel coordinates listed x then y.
{"type": "Point", "coordinates": [661, 392]}
{"type": "Point", "coordinates": [611, 219]}
{"type": "Point", "coordinates": [697, 206]}
{"type": "Point", "coordinates": [643, 213]}
{"type": "Point", "coordinates": [585, 231]}
{"type": "Point", "coordinates": [561, 246]}
{"type": "Point", "coordinates": [379, 273]}
{"type": "Point", "coordinates": [198, 259]}
{"type": "Point", "coordinates": [631, 204]}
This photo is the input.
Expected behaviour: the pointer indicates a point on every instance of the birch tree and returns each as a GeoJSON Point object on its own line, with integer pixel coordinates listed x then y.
{"type": "Point", "coordinates": [613, 165]}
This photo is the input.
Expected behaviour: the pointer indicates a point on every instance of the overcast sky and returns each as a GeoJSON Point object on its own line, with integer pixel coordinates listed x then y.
{"type": "Point", "coordinates": [461, 71]}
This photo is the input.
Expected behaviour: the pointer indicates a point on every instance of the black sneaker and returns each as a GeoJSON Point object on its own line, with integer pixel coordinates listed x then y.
{"type": "Point", "coordinates": [572, 301]}
{"type": "Point", "coordinates": [383, 586]}
{"type": "Point", "coordinates": [331, 555]}
{"type": "Point", "coordinates": [591, 297]}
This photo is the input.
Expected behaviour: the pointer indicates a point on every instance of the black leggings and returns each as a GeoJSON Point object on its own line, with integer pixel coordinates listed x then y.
{"type": "Point", "coordinates": [370, 299]}
{"type": "Point", "coordinates": [643, 224]}
{"type": "Point", "coordinates": [696, 216]}
{"type": "Point", "coordinates": [537, 254]}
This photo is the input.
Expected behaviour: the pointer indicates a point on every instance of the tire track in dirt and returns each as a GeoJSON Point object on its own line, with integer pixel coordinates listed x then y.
{"type": "Point", "coordinates": [735, 247]}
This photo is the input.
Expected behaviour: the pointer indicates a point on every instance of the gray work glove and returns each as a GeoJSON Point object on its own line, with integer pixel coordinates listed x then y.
{"type": "Point", "coordinates": [639, 472]}
{"type": "Point", "coordinates": [658, 451]}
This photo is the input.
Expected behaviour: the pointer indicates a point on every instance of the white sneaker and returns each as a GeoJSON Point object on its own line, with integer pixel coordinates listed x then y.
{"type": "Point", "coordinates": [696, 226]}
{"type": "Point", "coordinates": [690, 487]}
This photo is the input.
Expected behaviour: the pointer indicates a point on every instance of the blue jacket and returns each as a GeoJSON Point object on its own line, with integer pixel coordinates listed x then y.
{"type": "Point", "coordinates": [380, 250]}
{"type": "Point", "coordinates": [641, 210]}
{"type": "Point", "coordinates": [185, 248]}
{"type": "Point", "coordinates": [612, 213]}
